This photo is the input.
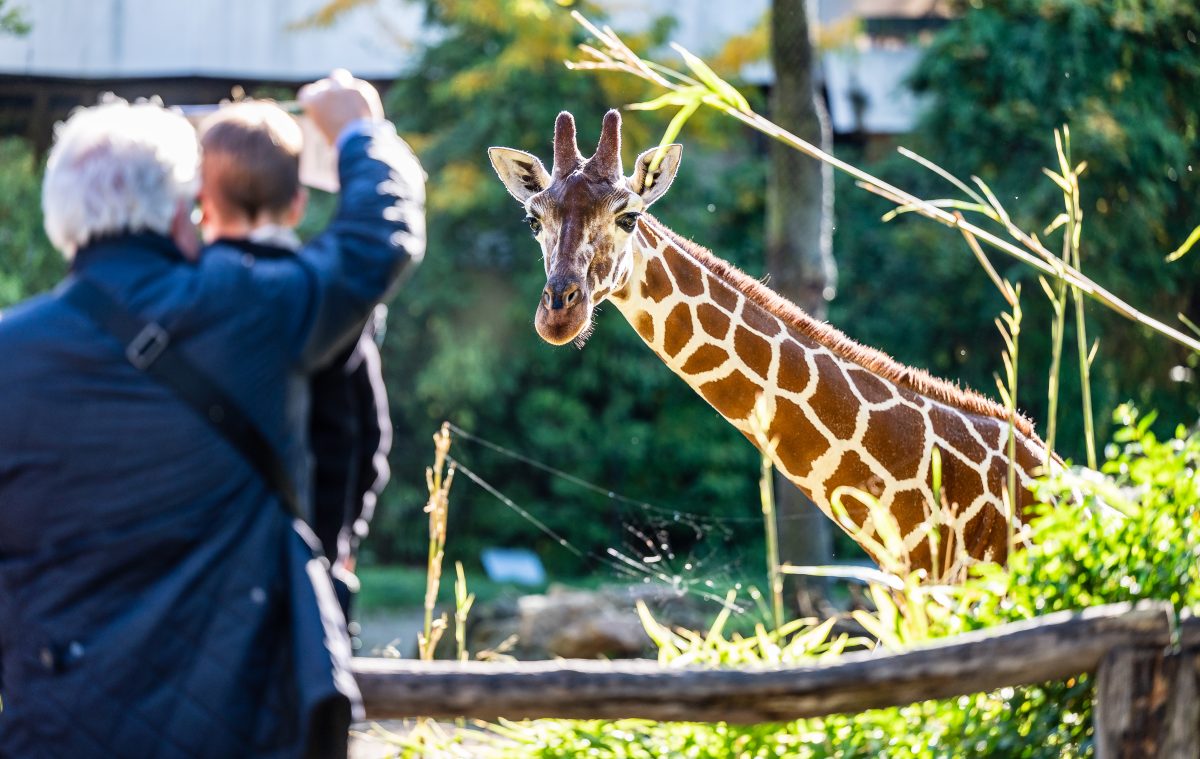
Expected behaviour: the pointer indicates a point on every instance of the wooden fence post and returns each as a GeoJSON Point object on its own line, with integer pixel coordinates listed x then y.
{"type": "Point", "coordinates": [1181, 734]}
{"type": "Point", "coordinates": [1146, 700]}
{"type": "Point", "coordinates": [1130, 708]}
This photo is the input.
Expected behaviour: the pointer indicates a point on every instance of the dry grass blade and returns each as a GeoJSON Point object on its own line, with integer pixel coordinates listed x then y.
{"type": "Point", "coordinates": [936, 169]}
{"type": "Point", "coordinates": [973, 244]}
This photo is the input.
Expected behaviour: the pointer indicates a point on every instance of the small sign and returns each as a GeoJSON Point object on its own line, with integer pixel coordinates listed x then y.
{"type": "Point", "coordinates": [519, 565]}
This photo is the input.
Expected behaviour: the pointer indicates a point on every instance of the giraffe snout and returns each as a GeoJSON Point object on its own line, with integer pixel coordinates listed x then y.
{"type": "Point", "coordinates": [564, 312]}
{"type": "Point", "coordinates": [560, 295]}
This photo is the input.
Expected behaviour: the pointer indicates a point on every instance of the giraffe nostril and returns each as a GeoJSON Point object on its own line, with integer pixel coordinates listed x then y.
{"type": "Point", "coordinates": [555, 297]}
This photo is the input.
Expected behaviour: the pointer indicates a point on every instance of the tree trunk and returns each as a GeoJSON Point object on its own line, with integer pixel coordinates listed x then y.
{"type": "Point", "coordinates": [799, 235]}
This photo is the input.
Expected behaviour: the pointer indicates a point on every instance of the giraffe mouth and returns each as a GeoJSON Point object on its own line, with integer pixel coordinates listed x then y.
{"type": "Point", "coordinates": [559, 326]}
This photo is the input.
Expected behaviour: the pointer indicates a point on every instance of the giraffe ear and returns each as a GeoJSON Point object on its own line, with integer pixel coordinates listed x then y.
{"type": "Point", "coordinates": [651, 185]}
{"type": "Point", "coordinates": [522, 173]}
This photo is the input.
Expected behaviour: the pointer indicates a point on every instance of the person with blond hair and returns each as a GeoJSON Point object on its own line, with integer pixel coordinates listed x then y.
{"type": "Point", "coordinates": [251, 201]}
{"type": "Point", "coordinates": [159, 595]}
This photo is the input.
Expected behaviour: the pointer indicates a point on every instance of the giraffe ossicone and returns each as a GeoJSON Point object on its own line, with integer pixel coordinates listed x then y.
{"type": "Point", "coordinates": [841, 420]}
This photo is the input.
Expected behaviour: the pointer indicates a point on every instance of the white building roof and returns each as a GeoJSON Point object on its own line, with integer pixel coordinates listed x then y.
{"type": "Point", "coordinates": [99, 39]}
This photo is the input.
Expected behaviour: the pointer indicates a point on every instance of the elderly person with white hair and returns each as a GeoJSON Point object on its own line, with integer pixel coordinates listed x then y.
{"type": "Point", "coordinates": [158, 595]}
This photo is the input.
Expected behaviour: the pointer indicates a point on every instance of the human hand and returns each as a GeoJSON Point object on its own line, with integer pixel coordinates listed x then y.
{"type": "Point", "coordinates": [339, 99]}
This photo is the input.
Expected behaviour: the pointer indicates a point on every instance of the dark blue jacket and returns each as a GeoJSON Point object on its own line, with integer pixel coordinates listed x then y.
{"type": "Point", "coordinates": [155, 599]}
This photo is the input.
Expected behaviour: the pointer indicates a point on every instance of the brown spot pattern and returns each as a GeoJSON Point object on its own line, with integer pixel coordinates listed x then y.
{"type": "Point", "coordinates": [951, 426]}
{"type": "Point", "coordinates": [897, 439]}
{"type": "Point", "coordinates": [852, 472]}
{"type": "Point", "coordinates": [649, 236]}
{"type": "Point", "coordinates": [600, 269]}
{"type": "Point", "coordinates": [733, 396]}
{"type": "Point", "coordinates": [799, 442]}
{"type": "Point", "coordinates": [870, 387]}
{"type": "Point", "coordinates": [833, 402]}
{"type": "Point", "coordinates": [793, 368]}
{"type": "Point", "coordinates": [987, 529]}
{"type": "Point", "coordinates": [689, 280]}
{"type": "Point", "coordinates": [908, 507]}
{"type": "Point", "coordinates": [994, 432]}
{"type": "Point", "coordinates": [961, 484]}
{"type": "Point", "coordinates": [713, 320]}
{"type": "Point", "coordinates": [920, 555]}
{"type": "Point", "coordinates": [677, 330]}
{"type": "Point", "coordinates": [656, 285]}
{"type": "Point", "coordinates": [706, 358]}
{"type": "Point", "coordinates": [754, 351]}
{"type": "Point", "coordinates": [1025, 460]}
{"type": "Point", "coordinates": [722, 294]}
{"type": "Point", "coordinates": [757, 318]}
{"type": "Point", "coordinates": [644, 326]}
{"type": "Point", "coordinates": [997, 475]}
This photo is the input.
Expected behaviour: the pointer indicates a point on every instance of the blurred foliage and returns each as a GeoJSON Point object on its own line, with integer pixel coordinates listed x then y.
{"type": "Point", "coordinates": [13, 20]}
{"type": "Point", "coordinates": [461, 344]}
{"type": "Point", "coordinates": [998, 81]}
{"type": "Point", "coordinates": [1084, 552]}
{"type": "Point", "coordinates": [28, 263]}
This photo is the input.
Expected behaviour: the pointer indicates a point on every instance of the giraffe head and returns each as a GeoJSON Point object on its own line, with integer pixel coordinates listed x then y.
{"type": "Point", "coordinates": [583, 214]}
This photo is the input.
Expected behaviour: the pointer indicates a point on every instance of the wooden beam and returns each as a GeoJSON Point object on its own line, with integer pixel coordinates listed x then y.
{"type": "Point", "coordinates": [1049, 648]}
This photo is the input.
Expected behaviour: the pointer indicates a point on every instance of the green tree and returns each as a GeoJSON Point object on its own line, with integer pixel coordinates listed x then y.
{"type": "Point", "coordinates": [999, 79]}
{"type": "Point", "coordinates": [28, 263]}
{"type": "Point", "coordinates": [799, 233]}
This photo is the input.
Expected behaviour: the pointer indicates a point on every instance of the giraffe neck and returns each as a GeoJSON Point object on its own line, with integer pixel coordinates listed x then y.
{"type": "Point", "coordinates": [836, 419]}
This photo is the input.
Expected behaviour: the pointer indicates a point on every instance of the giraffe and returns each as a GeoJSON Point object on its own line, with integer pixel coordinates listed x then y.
{"type": "Point", "coordinates": [840, 418]}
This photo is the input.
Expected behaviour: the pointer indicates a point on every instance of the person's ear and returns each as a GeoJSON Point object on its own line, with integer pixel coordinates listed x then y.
{"type": "Point", "coordinates": [296, 209]}
{"type": "Point", "coordinates": [183, 231]}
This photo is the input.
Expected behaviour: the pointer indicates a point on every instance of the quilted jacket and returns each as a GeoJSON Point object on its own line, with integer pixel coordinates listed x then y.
{"type": "Point", "coordinates": [155, 598]}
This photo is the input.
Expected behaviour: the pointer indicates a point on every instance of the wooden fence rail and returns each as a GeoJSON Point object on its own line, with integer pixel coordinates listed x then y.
{"type": "Point", "coordinates": [1144, 708]}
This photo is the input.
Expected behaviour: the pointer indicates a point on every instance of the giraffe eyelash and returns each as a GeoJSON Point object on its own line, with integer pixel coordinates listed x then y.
{"type": "Point", "coordinates": [627, 221]}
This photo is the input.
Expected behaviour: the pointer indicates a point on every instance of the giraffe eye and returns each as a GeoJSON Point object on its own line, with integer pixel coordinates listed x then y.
{"type": "Point", "coordinates": [535, 224]}
{"type": "Point", "coordinates": [627, 221]}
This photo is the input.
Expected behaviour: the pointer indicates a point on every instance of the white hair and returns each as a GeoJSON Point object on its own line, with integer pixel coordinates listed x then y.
{"type": "Point", "coordinates": [117, 167]}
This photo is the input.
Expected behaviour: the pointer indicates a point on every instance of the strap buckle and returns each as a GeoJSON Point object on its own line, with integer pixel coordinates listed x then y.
{"type": "Point", "coordinates": [149, 344]}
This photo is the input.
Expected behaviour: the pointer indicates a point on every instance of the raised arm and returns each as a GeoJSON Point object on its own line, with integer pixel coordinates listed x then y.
{"type": "Point", "coordinates": [377, 234]}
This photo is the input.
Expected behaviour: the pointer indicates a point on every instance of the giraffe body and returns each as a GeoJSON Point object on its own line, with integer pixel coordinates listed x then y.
{"type": "Point", "coordinates": [841, 420]}
{"type": "Point", "coordinates": [836, 421]}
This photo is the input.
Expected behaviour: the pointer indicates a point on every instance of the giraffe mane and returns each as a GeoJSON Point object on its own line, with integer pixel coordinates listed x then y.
{"type": "Point", "coordinates": [875, 361]}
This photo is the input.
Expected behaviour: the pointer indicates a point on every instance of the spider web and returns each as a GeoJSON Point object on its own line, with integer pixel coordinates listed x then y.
{"type": "Point", "coordinates": [684, 552]}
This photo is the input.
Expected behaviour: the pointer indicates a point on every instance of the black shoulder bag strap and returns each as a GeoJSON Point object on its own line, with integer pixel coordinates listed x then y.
{"type": "Point", "coordinates": [149, 348]}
